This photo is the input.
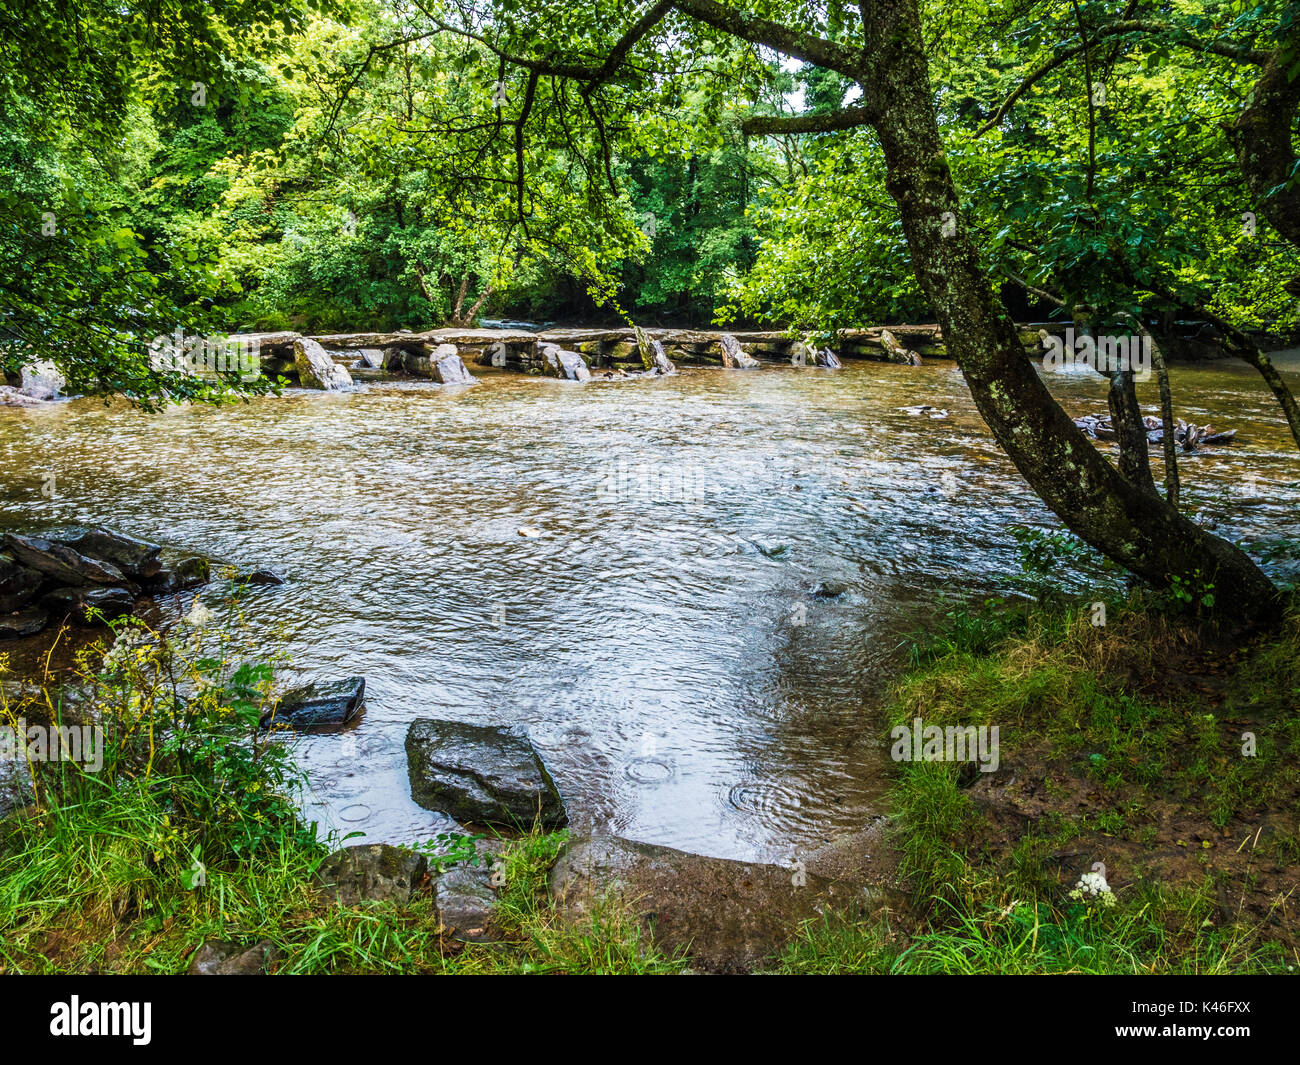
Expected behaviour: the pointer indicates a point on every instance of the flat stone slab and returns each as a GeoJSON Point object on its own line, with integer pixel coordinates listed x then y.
{"type": "Point", "coordinates": [483, 774]}
{"type": "Point", "coordinates": [728, 916]}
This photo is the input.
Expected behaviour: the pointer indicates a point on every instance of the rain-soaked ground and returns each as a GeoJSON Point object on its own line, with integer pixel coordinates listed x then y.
{"type": "Point", "coordinates": [654, 627]}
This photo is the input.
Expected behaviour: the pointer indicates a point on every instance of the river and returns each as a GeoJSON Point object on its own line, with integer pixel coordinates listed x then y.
{"type": "Point", "coordinates": [655, 629]}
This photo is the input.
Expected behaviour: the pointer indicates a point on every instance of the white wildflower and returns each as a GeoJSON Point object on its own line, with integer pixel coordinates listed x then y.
{"type": "Point", "coordinates": [1093, 886]}
{"type": "Point", "coordinates": [199, 615]}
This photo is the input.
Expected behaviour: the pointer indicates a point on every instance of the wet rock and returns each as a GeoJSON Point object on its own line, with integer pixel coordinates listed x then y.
{"type": "Point", "coordinates": [464, 898]}
{"type": "Point", "coordinates": [895, 352]}
{"type": "Point", "coordinates": [41, 381]}
{"type": "Point", "coordinates": [371, 358]}
{"type": "Point", "coordinates": [733, 356]}
{"type": "Point", "coordinates": [372, 871]}
{"type": "Point", "coordinates": [26, 622]}
{"type": "Point", "coordinates": [264, 576]}
{"type": "Point", "coordinates": [135, 558]}
{"type": "Point", "coordinates": [728, 916]}
{"type": "Point", "coordinates": [180, 572]}
{"type": "Point", "coordinates": [220, 958]}
{"type": "Point", "coordinates": [566, 364]}
{"type": "Point", "coordinates": [105, 603]}
{"type": "Point", "coordinates": [315, 367]}
{"type": "Point", "coordinates": [830, 589]}
{"type": "Point", "coordinates": [18, 584]}
{"type": "Point", "coordinates": [60, 563]}
{"type": "Point", "coordinates": [483, 774]}
{"type": "Point", "coordinates": [321, 704]}
{"type": "Point", "coordinates": [828, 359]}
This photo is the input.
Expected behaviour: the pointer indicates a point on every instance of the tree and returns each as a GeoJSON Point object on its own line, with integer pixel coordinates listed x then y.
{"type": "Point", "coordinates": [885, 55]}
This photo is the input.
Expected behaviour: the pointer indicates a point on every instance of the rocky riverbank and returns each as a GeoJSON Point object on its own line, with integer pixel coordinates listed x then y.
{"type": "Point", "coordinates": [91, 575]}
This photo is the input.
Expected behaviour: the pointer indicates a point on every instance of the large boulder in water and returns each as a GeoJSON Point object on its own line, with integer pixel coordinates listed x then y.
{"type": "Point", "coordinates": [315, 367]}
{"type": "Point", "coordinates": [449, 368]}
{"type": "Point", "coordinates": [26, 622]}
{"type": "Point", "coordinates": [565, 364]}
{"type": "Point", "coordinates": [653, 356]}
{"type": "Point", "coordinates": [180, 571]}
{"type": "Point", "coordinates": [442, 362]}
{"type": "Point", "coordinates": [733, 355]}
{"type": "Point", "coordinates": [483, 774]}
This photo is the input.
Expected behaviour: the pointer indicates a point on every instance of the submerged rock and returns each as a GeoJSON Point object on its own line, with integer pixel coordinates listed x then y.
{"type": "Point", "coordinates": [733, 355]}
{"type": "Point", "coordinates": [372, 871]}
{"type": "Point", "coordinates": [108, 603]}
{"type": "Point", "coordinates": [830, 589]}
{"type": "Point", "coordinates": [315, 367]}
{"type": "Point", "coordinates": [483, 774]}
{"type": "Point", "coordinates": [180, 571]}
{"type": "Point", "coordinates": [26, 622]}
{"type": "Point", "coordinates": [728, 916]}
{"type": "Point", "coordinates": [320, 704]}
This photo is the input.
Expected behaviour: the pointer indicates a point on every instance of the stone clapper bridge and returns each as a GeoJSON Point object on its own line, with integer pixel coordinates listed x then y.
{"type": "Point", "coordinates": [542, 352]}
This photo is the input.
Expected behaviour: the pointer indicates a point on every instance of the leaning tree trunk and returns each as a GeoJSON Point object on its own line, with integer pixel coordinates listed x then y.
{"type": "Point", "coordinates": [1137, 529]}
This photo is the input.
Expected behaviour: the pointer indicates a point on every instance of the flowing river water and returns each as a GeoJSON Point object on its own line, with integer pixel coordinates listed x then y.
{"type": "Point", "coordinates": [654, 628]}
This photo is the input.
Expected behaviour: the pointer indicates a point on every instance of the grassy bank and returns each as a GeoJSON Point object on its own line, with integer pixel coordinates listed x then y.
{"type": "Point", "coordinates": [1162, 748]}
